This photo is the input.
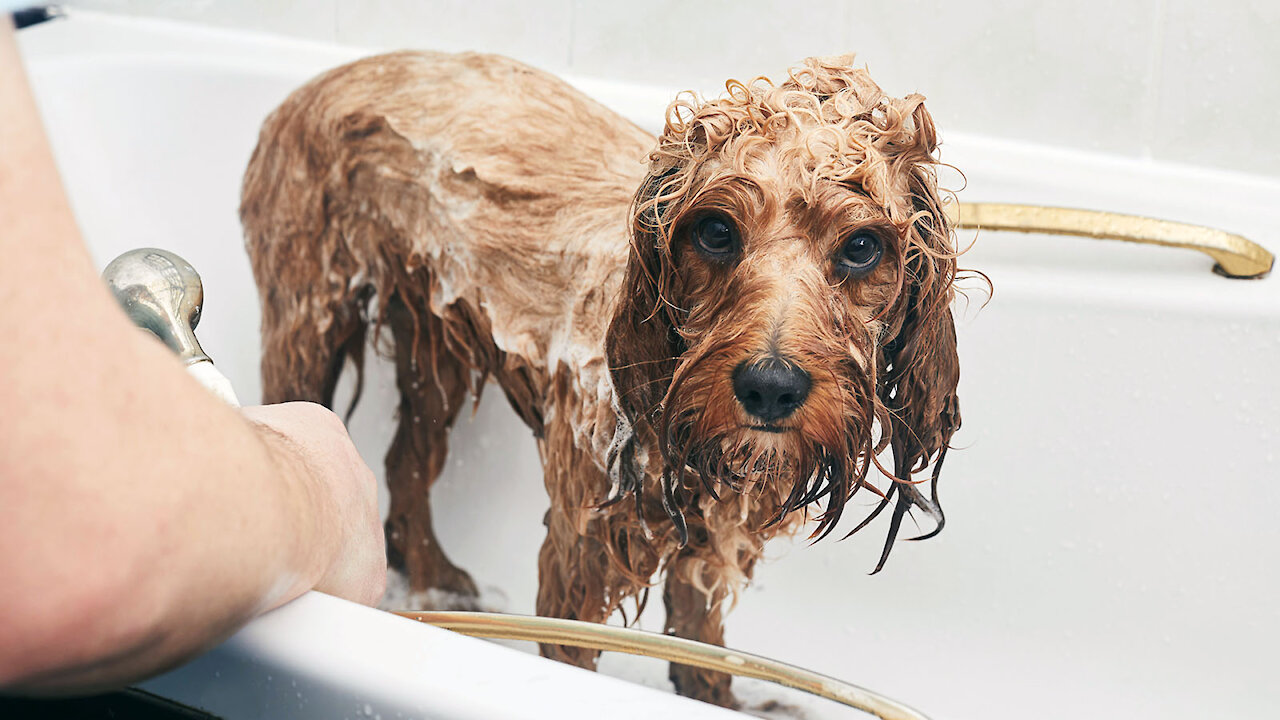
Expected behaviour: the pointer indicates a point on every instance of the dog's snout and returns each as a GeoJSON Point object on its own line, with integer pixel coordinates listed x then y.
{"type": "Point", "coordinates": [770, 390]}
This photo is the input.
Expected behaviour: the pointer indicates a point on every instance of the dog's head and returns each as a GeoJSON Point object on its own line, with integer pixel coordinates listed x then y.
{"type": "Point", "coordinates": [785, 314]}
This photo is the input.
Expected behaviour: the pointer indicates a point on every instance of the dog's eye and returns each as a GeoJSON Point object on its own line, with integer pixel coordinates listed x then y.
{"type": "Point", "coordinates": [860, 253]}
{"type": "Point", "coordinates": [716, 236]}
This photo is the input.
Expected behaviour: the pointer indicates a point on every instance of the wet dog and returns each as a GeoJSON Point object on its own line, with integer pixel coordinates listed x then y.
{"type": "Point", "coordinates": [713, 335]}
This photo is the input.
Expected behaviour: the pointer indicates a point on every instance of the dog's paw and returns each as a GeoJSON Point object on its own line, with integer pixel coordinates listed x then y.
{"type": "Point", "coordinates": [491, 600]}
{"type": "Point", "coordinates": [399, 596]}
{"type": "Point", "coordinates": [763, 700]}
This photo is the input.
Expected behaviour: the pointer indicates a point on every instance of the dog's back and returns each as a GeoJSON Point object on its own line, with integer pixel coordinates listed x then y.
{"type": "Point", "coordinates": [491, 193]}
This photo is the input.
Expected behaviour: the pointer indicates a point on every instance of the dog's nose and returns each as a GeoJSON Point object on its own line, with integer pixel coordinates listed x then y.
{"type": "Point", "coordinates": [770, 390]}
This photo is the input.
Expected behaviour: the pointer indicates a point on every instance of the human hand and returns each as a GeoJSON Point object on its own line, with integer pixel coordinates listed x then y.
{"type": "Point", "coordinates": [313, 441]}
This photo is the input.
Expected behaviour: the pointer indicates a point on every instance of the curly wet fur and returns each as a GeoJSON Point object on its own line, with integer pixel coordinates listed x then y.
{"type": "Point", "coordinates": [488, 215]}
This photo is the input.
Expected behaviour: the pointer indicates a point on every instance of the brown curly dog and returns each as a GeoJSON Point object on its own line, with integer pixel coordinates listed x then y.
{"type": "Point", "coordinates": [711, 347]}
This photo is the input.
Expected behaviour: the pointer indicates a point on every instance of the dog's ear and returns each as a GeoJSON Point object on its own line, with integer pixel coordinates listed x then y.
{"type": "Point", "coordinates": [922, 367]}
{"type": "Point", "coordinates": [642, 346]}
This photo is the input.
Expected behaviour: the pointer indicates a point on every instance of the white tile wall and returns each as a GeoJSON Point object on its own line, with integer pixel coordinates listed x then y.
{"type": "Point", "coordinates": [538, 33]}
{"type": "Point", "coordinates": [699, 45]}
{"type": "Point", "coordinates": [1218, 91]}
{"type": "Point", "coordinates": [1179, 80]}
{"type": "Point", "coordinates": [305, 18]}
{"type": "Point", "coordinates": [1069, 74]}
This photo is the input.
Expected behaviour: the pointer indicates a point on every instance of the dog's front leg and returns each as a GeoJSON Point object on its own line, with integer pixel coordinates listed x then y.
{"type": "Point", "coordinates": [573, 583]}
{"type": "Point", "coordinates": [580, 578]}
{"type": "Point", "coordinates": [698, 614]}
{"type": "Point", "coordinates": [593, 558]}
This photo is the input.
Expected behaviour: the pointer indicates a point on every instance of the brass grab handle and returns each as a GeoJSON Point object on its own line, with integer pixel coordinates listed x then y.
{"type": "Point", "coordinates": [1235, 256]}
{"type": "Point", "coordinates": [576, 633]}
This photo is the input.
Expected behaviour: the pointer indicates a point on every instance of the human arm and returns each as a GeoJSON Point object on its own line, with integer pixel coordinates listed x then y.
{"type": "Point", "coordinates": [141, 520]}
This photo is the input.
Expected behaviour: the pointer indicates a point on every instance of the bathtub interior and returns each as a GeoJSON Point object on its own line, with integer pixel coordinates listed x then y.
{"type": "Point", "coordinates": [1110, 537]}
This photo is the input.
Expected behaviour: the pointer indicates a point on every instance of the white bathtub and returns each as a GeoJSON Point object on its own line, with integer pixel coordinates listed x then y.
{"type": "Point", "coordinates": [1112, 541]}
